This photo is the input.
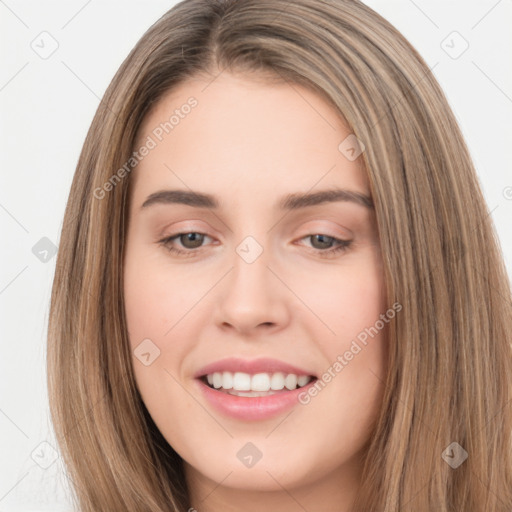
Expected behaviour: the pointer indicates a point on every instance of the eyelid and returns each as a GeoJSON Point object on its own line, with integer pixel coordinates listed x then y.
{"type": "Point", "coordinates": [309, 228]}
{"type": "Point", "coordinates": [318, 227]}
{"type": "Point", "coordinates": [179, 228]}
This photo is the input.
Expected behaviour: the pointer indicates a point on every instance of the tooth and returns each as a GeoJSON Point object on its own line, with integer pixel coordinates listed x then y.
{"type": "Point", "coordinates": [291, 381]}
{"type": "Point", "coordinates": [217, 380]}
{"type": "Point", "coordinates": [302, 380]}
{"type": "Point", "coordinates": [241, 381]}
{"type": "Point", "coordinates": [277, 381]}
{"type": "Point", "coordinates": [260, 382]}
{"type": "Point", "coordinates": [250, 393]}
{"type": "Point", "coordinates": [227, 380]}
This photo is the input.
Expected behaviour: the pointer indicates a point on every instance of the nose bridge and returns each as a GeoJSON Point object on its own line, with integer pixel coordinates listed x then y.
{"type": "Point", "coordinates": [250, 275]}
{"type": "Point", "coordinates": [250, 249]}
{"type": "Point", "coordinates": [251, 294]}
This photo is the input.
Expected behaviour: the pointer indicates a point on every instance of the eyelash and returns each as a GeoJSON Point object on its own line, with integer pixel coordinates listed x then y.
{"type": "Point", "coordinates": [343, 245]}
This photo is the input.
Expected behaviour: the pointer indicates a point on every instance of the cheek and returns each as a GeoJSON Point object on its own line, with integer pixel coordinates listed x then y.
{"type": "Point", "coordinates": [162, 304]}
{"type": "Point", "coordinates": [155, 300]}
{"type": "Point", "coordinates": [347, 300]}
{"type": "Point", "coordinates": [351, 335]}
{"type": "Point", "coordinates": [152, 308]}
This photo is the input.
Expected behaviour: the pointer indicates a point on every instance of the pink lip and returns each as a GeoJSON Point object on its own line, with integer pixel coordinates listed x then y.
{"type": "Point", "coordinates": [252, 366]}
{"type": "Point", "coordinates": [252, 408]}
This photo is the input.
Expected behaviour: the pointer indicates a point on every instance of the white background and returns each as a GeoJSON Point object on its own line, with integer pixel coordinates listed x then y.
{"type": "Point", "coordinates": [46, 107]}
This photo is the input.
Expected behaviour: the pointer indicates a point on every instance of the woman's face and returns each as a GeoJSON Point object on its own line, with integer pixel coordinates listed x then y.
{"type": "Point", "coordinates": [266, 285]}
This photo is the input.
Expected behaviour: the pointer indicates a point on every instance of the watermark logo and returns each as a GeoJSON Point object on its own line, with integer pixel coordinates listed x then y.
{"type": "Point", "coordinates": [454, 45]}
{"type": "Point", "coordinates": [249, 249]}
{"type": "Point", "coordinates": [44, 455]}
{"type": "Point", "coordinates": [249, 455]}
{"type": "Point", "coordinates": [44, 250]}
{"type": "Point", "coordinates": [454, 455]}
{"type": "Point", "coordinates": [351, 147]}
{"type": "Point", "coordinates": [146, 352]}
{"type": "Point", "coordinates": [45, 45]}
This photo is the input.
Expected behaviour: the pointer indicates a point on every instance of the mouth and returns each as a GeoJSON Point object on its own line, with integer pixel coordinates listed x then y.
{"type": "Point", "coordinates": [253, 397]}
{"type": "Point", "coordinates": [252, 389]}
{"type": "Point", "coordinates": [255, 385]}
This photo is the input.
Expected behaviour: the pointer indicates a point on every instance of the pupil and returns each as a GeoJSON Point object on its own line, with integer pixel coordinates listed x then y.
{"type": "Point", "coordinates": [195, 238]}
{"type": "Point", "coordinates": [323, 239]}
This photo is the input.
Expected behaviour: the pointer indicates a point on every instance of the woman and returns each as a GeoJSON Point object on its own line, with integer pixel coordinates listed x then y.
{"type": "Point", "coordinates": [277, 285]}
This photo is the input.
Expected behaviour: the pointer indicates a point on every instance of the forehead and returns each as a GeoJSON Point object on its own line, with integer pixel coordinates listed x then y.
{"type": "Point", "coordinates": [237, 134]}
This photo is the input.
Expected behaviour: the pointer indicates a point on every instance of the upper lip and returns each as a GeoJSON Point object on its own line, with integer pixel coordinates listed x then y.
{"type": "Point", "coordinates": [251, 366]}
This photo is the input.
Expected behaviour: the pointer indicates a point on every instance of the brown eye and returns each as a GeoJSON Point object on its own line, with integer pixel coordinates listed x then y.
{"type": "Point", "coordinates": [325, 242]}
{"type": "Point", "coordinates": [327, 246]}
{"type": "Point", "coordinates": [191, 240]}
{"type": "Point", "coordinates": [184, 244]}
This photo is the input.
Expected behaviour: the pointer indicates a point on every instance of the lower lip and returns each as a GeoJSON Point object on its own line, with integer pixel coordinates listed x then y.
{"type": "Point", "coordinates": [252, 408]}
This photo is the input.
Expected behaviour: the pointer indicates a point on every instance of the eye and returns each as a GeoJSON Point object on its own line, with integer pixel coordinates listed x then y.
{"type": "Point", "coordinates": [323, 244]}
{"type": "Point", "coordinates": [192, 240]}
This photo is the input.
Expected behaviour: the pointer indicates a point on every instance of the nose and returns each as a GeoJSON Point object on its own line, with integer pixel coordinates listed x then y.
{"type": "Point", "coordinates": [252, 298]}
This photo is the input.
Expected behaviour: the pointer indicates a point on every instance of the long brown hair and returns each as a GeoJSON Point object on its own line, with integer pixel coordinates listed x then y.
{"type": "Point", "coordinates": [450, 361]}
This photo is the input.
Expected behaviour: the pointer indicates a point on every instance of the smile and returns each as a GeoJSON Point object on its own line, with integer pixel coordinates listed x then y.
{"type": "Point", "coordinates": [251, 404]}
{"type": "Point", "coordinates": [260, 384]}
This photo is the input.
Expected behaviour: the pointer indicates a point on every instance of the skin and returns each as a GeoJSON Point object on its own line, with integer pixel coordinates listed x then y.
{"type": "Point", "coordinates": [250, 143]}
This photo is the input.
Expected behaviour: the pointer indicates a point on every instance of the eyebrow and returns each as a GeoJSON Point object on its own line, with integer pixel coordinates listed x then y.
{"type": "Point", "coordinates": [289, 202]}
